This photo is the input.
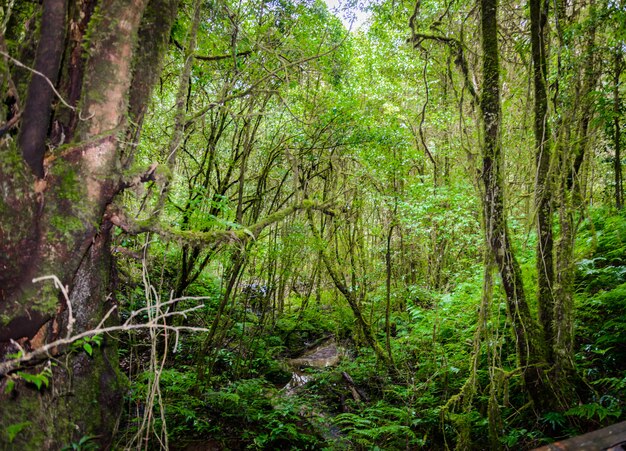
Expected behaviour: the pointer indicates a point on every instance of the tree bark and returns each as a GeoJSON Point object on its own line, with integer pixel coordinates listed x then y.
{"type": "Point", "coordinates": [38, 106]}
{"type": "Point", "coordinates": [618, 62]}
{"type": "Point", "coordinates": [543, 198]}
{"type": "Point", "coordinates": [496, 230]}
{"type": "Point", "coordinates": [56, 224]}
{"type": "Point", "coordinates": [574, 145]}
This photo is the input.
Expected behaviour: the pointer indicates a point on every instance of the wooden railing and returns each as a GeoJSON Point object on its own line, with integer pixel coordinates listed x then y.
{"type": "Point", "coordinates": [612, 438]}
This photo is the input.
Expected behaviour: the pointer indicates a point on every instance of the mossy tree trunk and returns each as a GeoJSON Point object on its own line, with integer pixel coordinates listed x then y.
{"type": "Point", "coordinates": [54, 198]}
{"type": "Point", "coordinates": [618, 67]}
{"type": "Point", "coordinates": [529, 350]}
{"type": "Point", "coordinates": [543, 185]}
{"type": "Point", "coordinates": [575, 136]}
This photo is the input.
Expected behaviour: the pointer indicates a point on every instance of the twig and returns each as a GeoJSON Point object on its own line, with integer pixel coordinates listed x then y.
{"type": "Point", "coordinates": [156, 322]}
{"type": "Point", "coordinates": [23, 66]}
{"type": "Point", "coordinates": [57, 283]}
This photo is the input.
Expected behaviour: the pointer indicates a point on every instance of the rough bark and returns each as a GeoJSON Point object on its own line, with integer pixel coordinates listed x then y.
{"type": "Point", "coordinates": [57, 225]}
{"type": "Point", "coordinates": [153, 41]}
{"type": "Point", "coordinates": [575, 142]}
{"type": "Point", "coordinates": [497, 234]}
{"type": "Point", "coordinates": [618, 62]}
{"type": "Point", "coordinates": [80, 13]}
{"type": "Point", "coordinates": [38, 106]}
{"type": "Point", "coordinates": [543, 198]}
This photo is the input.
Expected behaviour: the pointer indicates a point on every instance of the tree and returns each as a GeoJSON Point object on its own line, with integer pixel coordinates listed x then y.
{"type": "Point", "coordinates": [543, 186]}
{"type": "Point", "coordinates": [59, 176]}
{"type": "Point", "coordinates": [498, 238]}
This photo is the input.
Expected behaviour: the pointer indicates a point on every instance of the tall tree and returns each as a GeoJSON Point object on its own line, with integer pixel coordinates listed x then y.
{"type": "Point", "coordinates": [54, 201]}
{"type": "Point", "coordinates": [543, 191]}
{"type": "Point", "coordinates": [618, 67]}
{"type": "Point", "coordinates": [496, 229]}
{"type": "Point", "coordinates": [575, 103]}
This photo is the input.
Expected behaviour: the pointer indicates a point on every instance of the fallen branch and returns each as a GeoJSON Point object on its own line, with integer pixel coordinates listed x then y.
{"type": "Point", "coordinates": [357, 394]}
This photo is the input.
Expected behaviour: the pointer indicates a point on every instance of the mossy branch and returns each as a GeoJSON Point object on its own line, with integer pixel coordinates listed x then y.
{"type": "Point", "coordinates": [212, 237]}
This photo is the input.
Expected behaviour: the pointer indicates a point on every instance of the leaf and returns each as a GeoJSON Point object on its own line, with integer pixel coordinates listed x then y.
{"type": "Point", "coordinates": [31, 378]}
{"type": "Point", "coordinates": [17, 355]}
{"type": "Point", "coordinates": [9, 387]}
{"type": "Point", "coordinates": [97, 340]}
{"type": "Point", "coordinates": [38, 380]}
{"type": "Point", "coordinates": [15, 429]}
{"type": "Point", "coordinates": [88, 348]}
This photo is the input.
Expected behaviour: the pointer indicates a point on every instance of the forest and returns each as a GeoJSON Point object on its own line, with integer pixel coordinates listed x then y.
{"type": "Point", "coordinates": [287, 224]}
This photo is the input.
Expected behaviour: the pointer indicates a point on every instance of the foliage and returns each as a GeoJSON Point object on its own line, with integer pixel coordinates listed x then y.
{"type": "Point", "coordinates": [86, 443]}
{"type": "Point", "coordinates": [15, 429]}
{"type": "Point", "coordinates": [247, 413]}
{"type": "Point", "coordinates": [601, 296]}
{"type": "Point", "coordinates": [310, 183]}
{"type": "Point", "coordinates": [40, 380]}
{"type": "Point", "coordinates": [379, 426]}
{"type": "Point", "coordinates": [87, 344]}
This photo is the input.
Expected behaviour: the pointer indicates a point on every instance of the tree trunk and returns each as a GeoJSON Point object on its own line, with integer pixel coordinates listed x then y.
{"type": "Point", "coordinates": [497, 235]}
{"type": "Point", "coordinates": [543, 198]}
{"type": "Point", "coordinates": [617, 133]}
{"type": "Point", "coordinates": [575, 142]}
{"type": "Point", "coordinates": [55, 224]}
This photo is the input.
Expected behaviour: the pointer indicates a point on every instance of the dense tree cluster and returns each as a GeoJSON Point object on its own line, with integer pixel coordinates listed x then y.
{"type": "Point", "coordinates": [220, 186]}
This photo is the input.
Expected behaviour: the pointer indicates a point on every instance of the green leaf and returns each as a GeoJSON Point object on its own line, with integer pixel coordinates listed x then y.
{"type": "Point", "coordinates": [15, 429]}
{"type": "Point", "coordinates": [38, 380]}
{"type": "Point", "coordinates": [9, 387]}
{"type": "Point", "coordinates": [88, 348]}
{"type": "Point", "coordinates": [17, 355]}
{"type": "Point", "coordinates": [97, 340]}
{"type": "Point", "coordinates": [31, 378]}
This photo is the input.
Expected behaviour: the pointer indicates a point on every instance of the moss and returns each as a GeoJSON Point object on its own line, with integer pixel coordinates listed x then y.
{"type": "Point", "coordinates": [96, 388]}
{"type": "Point", "coordinates": [46, 300]}
{"type": "Point", "coordinates": [162, 171]}
{"type": "Point", "coordinates": [19, 184]}
{"type": "Point", "coordinates": [4, 319]}
{"type": "Point", "coordinates": [66, 215]}
{"type": "Point", "coordinates": [69, 187]}
{"type": "Point", "coordinates": [65, 226]}
{"type": "Point", "coordinates": [33, 435]}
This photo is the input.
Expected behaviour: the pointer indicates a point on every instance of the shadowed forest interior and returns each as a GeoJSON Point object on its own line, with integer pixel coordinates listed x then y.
{"type": "Point", "coordinates": [282, 224]}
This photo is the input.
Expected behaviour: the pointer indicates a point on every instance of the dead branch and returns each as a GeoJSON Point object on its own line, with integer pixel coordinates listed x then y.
{"type": "Point", "coordinates": [156, 322]}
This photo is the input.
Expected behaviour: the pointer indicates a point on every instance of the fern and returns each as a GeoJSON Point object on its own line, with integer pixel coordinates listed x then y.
{"type": "Point", "coordinates": [594, 411]}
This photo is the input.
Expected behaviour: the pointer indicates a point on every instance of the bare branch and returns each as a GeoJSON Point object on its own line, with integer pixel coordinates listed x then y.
{"type": "Point", "coordinates": [30, 69]}
{"type": "Point", "coordinates": [156, 322]}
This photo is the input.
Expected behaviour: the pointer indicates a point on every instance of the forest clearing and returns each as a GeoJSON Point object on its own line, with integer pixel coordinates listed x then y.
{"type": "Point", "coordinates": [292, 225]}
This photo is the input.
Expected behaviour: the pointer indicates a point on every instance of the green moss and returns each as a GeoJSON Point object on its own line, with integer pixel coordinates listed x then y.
{"type": "Point", "coordinates": [19, 184]}
{"type": "Point", "coordinates": [65, 218]}
{"type": "Point", "coordinates": [46, 300]}
{"type": "Point", "coordinates": [162, 171]}
{"type": "Point", "coordinates": [66, 226]}
{"type": "Point", "coordinates": [4, 319]}
{"type": "Point", "coordinates": [30, 437]}
{"type": "Point", "coordinates": [57, 421]}
{"type": "Point", "coordinates": [69, 187]}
